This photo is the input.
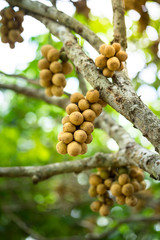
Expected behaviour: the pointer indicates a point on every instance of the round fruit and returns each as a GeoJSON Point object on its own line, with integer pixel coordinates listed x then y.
{"type": "Point", "coordinates": [107, 72]}
{"type": "Point", "coordinates": [97, 108]}
{"type": "Point", "coordinates": [127, 189]}
{"type": "Point", "coordinates": [76, 97]}
{"type": "Point", "coordinates": [120, 199]}
{"type": "Point", "coordinates": [59, 79]}
{"type": "Point", "coordinates": [83, 104]}
{"type": "Point", "coordinates": [108, 182]}
{"type": "Point", "coordinates": [123, 179]}
{"type": "Point", "coordinates": [74, 148]}
{"type": "Point", "coordinates": [103, 103]}
{"type": "Point", "coordinates": [43, 64]}
{"type": "Point", "coordinates": [45, 49]}
{"type": "Point", "coordinates": [72, 107]}
{"type": "Point", "coordinates": [116, 46]}
{"type": "Point", "coordinates": [89, 115]}
{"type": "Point", "coordinates": [53, 55]}
{"type": "Point", "coordinates": [56, 67]}
{"type": "Point", "coordinates": [57, 91]}
{"type": "Point", "coordinates": [65, 119]}
{"type": "Point", "coordinates": [92, 96]}
{"type": "Point", "coordinates": [122, 56]}
{"type": "Point", "coordinates": [45, 84]}
{"type": "Point", "coordinates": [116, 189]}
{"type": "Point", "coordinates": [46, 74]}
{"type": "Point", "coordinates": [84, 148]}
{"type": "Point", "coordinates": [69, 127]}
{"type": "Point", "coordinates": [89, 139]}
{"type": "Point", "coordinates": [48, 92]}
{"type": "Point", "coordinates": [131, 201]}
{"type": "Point", "coordinates": [101, 189]}
{"type": "Point", "coordinates": [67, 137]}
{"type": "Point", "coordinates": [108, 51]}
{"type": "Point", "coordinates": [113, 63]}
{"type": "Point", "coordinates": [61, 147]}
{"type": "Point", "coordinates": [76, 118]}
{"type": "Point", "coordinates": [104, 210]}
{"type": "Point", "coordinates": [92, 191]}
{"type": "Point", "coordinates": [88, 127]}
{"type": "Point", "coordinates": [101, 61]}
{"type": "Point", "coordinates": [80, 136]}
{"type": "Point", "coordinates": [95, 206]}
{"type": "Point", "coordinates": [67, 67]}
{"type": "Point", "coordinates": [95, 180]}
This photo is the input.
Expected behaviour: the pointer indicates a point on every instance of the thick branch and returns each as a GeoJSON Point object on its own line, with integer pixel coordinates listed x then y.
{"type": "Point", "coordinates": [35, 93]}
{"type": "Point", "coordinates": [119, 23]}
{"type": "Point", "coordinates": [35, 82]}
{"type": "Point", "coordinates": [62, 18]}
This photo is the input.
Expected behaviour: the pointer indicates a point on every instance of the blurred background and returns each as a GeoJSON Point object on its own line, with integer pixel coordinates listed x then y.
{"type": "Point", "coordinates": [28, 135]}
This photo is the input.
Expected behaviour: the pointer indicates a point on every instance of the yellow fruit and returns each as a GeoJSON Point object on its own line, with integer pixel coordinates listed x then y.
{"type": "Point", "coordinates": [45, 49]}
{"type": "Point", "coordinates": [97, 108]}
{"type": "Point", "coordinates": [95, 206]}
{"type": "Point", "coordinates": [56, 67]}
{"type": "Point", "coordinates": [67, 137]}
{"type": "Point", "coordinates": [108, 51]}
{"type": "Point", "coordinates": [104, 210]}
{"type": "Point", "coordinates": [89, 139]}
{"type": "Point", "coordinates": [92, 191]}
{"type": "Point", "coordinates": [60, 135]}
{"type": "Point", "coordinates": [83, 104]}
{"type": "Point", "coordinates": [76, 118]}
{"type": "Point", "coordinates": [136, 185]}
{"type": "Point", "coordinates": [122, 56]}
{"type": "Point", "coordinates": [108, 182]}
{"type": "Point", "coordinates": [48, 92]}
{"type": "Point", "coordinates": [133, 172]}
{"type": "Point", "coordinates": [104, 174]}
{"type": "Point", "coordinates": [121, 67]}
{"type": "Point", "coordinates": [140, 176]}
{"type": "Point", "coordinates": [67, 67]}
{"type": "Point", "coordinates": [103, 103]}
{"type": "Point", "coordinates": [57, 91]}
{"type": "Point", "coordinates": [95, 180]}
{"type": "Point", "coordinates": [101, 61]}
{"type": "Point", "coordinates": [116, 46]}
{"type": "Point", "coordinates": [131, 201]}
{"type": "Point", "coordinates": [46, 74]}
{"type": "Point", "coordinates": [88, 127]}
{"type": "Point", "coordinates": [102, 48]}
{"type": "Point", "coordinates": [116, 189]}
{"type": "Point", "coordinates": [113, 64]}
{"type": "Point", "coordinates": [76, 97]}
{"type": "Point", "coordinates": [143, 185]}
{"type": "Point", "coordinates": [59, 79]}
{"type": "Point", "coordinates": [61, 147]}
{"type": "Point", "coordinates": [43, 64]}
{"type": "Point", "coordinates": [107, 72]}
{"type": "Point", "coordinates": [72, 107]}
{"type": "Point", "coordinates": [123, 179]}
{"type": "Point", "coordinates": [69, 127]}
{"type": "Point", "coordinates": [80, 136]}
{"type": "Point", "coordinates": [84, 148]}
{"type": "Point", "coordinates": [120, 199]}
{"type": "Point", "coordinates": [74, 148]}
{"type": "Point", "coordinates": [53, 55]}
{"type": "Point", "coordinates": [101, 189]}
{"type": "Point", "coordinates": [65, 119]}
{"type": "Point", "coordinates": [92, 96]}
{"type": "Point", "coordinates": [45, 84]}
{"type": "Point", "coordinates": [128, 189]}
{"type": "Point", "coordinates": [89, 115]}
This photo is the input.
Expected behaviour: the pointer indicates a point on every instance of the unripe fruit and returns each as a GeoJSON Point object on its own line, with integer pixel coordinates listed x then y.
{"type": "Point", "coordinates": [101, 61]}
{"type": "Point", "coordinates": [120, 199]}
{"type": "Point", "coordinates": [88, 127]}
{"type": "Point", "coordinates": [61, 147]}
{"type": "Point", "coordinates": [108, 51]}
{"type": "Point", "coordinates": [59, 79]}
{"type": "Point", "coordinates": [76, 118]}
{"type": "Point", "coordinates": [80, 136]}
{"type": "Point", "coordinates": [122, 56]}
{"type": "Point", "coordinates": [113, 63]}
{"type": "Point", "coordinates": [131, 201]}
{"type": "Point", "coordinates": [123, 179]}
{"type": "Point", "coordinates": [53, 55]}
{"type": "Point", "coordinates": [57, 91]}
{"type": "Point", "coordinates": [45, 49]}
{"type": "Point", "coordinates": [48, 91]}
{"type": "Point", "coordinates": [107, 72]}
{"type": "Point", "coordinates": [89, 115]}
{"type": "Point", "coordinates": [63, 57]}
{"type": "Point", "coordinates": [92, 191]}
{"type": "Point", "coordinates": [116, 46]}
{"type": "Point", "coordinates": [101, 189]}
{"type": "Point", "coordinates": [67, 137]}
{"type": "Point", "coordinates": [45, 84]}
{"type": "Point", "coordinates": [89, 139]}
{"type": "Point", "coordinates": [109, 201]}
{"type": "Point", "coordinates": [83, 104]}
{"type": "Point", "coordinates": [104, 210]}
{"type": "Point", "coordinates": [69, 127]}
{"type": "Point", "coordinates": [56, 67]}
{"type": "Point", "coordinates": [122, 170]}
{"type": "Point", "coordinates": [65, 119]}
{"type": "Point", "coordinates": [104, 174]}
{"type": "Point", "coordinates": [108, 182]}
{"type": "Point", "coordinates": [76, 97]}
{"type": "Point", "coordinates": [72, 107]}
{"type": "Point", "coordinates": [95, 206]}
{"type": "Point", "coordinates": [74, 148]}
{"type": "Point", "coordinates": [84, 148]}
{"type": "Point", "coordinates": [97, 108]}
{"type": "Point", "coordinates": [116, 189]}
{"type": "Point", "coordinates": [103, 103]}
{"type": "Point", "coordinates": [46, 74]}
{"type": "Point", "coordinates": [43, 64]}
{"type": "Point", "coordinates": [128, 189]}
{"type": "Point", "coordinates": [67, 67]}
{"type": "Point", "coordinates": [92, 96]}
{"type": "Point", "coordinates": [95, 180]}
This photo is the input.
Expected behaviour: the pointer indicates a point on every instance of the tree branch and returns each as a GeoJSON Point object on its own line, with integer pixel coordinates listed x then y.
{"type": "Point", "coordinates": [82, 83]}
{"type": "Point", "coordinates": [62, 18]}
{"type": "Point", "coordinates": [119, 23]}
{"type": "Point", "coordinates": [35, 93]}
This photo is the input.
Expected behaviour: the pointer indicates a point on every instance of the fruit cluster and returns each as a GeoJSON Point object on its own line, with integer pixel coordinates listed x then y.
{"type": "Point", "coordinates": [78, 125]}
{"type": "Point", "coordinates": [115, 184]}
{"type": "Point", "coordinates": [111, 59]}
{"type": "Point", "coordinates": [11, 28]}
{"type": "Point", "coordinates": [53, 68]}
